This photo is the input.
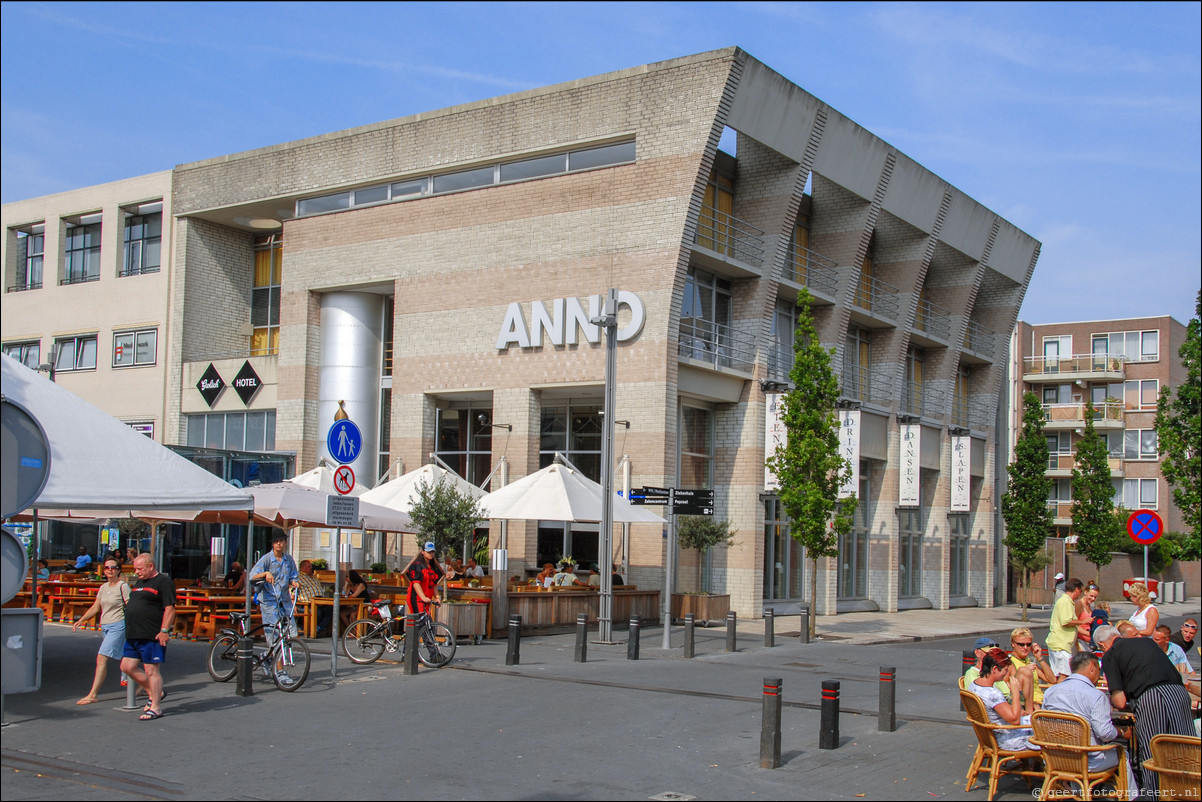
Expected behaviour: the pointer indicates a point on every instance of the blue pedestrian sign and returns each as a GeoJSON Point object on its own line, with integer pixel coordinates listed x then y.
{"type": "Point", "coordinates": [344, 442]}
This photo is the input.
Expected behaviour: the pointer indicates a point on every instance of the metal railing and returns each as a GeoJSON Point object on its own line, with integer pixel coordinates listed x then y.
{"type": "Point", "coordinates": [715, 344]}
{"type": "Point", "coordinates": [23, 287]}
{"type": "Point", "coordinates": [876, 296]}
{"type": "Point", "coordinates": [729, 236]}
{"type": "Point", "coordinates": [1060, 508]}
{"type": "Point", "coordinates": [858, 383]}
{"type": "Point", "coordinates": [933, 319]}
{"type": "Point", "coordinates": [1070, 365]}
{"type": "Point", "coordinates": [811, 269]}
{"type": "Point", "coordinates": [922, 399]}
{"type": "Point", "coordinates": [80, 279]}
{"type": "Point", "coordinates": [979, 339]}
{"type": "Point", "coordinates": [1075, 411]}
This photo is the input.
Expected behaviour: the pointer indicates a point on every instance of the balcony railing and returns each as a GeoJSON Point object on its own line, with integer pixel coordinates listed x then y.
{"type": "Point", "coordinates": [811, 269]}
{"type": "Point", "coordinates": [858, 383]}
{"type": "Point", "coordinates": [715, 344]}
{"type": "Point", "coordinates": [933, 319]}
{"type": "Point", "coordinates": [1061, 510]}
{"type": "Point", "coordinates": [1111, 411]}
{"type": "Point", "coordinates": [876, 296]}
{"type": "Point", "coordinates": [32, 285]}
{"type": "Point", "coordinates": [1072, 365]}
{"type": "Point", "coordinates": [923, 399]}
{"type": "Point", "coordinates": [1061, 461]}
{"type": "Point", "coordinates": [979, 339]}
{"type": "Point", "coordinates": [729, 236]}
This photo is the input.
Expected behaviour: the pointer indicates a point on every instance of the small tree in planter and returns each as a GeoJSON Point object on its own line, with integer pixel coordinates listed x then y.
{"type": "Point", "coordinates": [702, 532]}
{"type": "Point", "coordinates": [444, 516]}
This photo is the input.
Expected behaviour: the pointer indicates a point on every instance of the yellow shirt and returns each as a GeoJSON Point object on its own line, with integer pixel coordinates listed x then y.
{"type": "Point", "coordinates": [1063, 625]}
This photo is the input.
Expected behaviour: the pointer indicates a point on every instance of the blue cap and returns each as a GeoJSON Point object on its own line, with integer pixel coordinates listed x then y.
{"type": "Point", "coordinates": [985, 643]}
{"type": "Point", "coordinates": [429, 545]}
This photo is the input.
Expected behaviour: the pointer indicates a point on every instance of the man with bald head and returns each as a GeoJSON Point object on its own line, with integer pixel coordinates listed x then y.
{"type": "Point", "coordinates": [149, 614]}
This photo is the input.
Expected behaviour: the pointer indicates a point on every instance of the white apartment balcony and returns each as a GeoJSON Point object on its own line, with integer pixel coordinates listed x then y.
{"type": "Point", "coordinates": [727, 245]}
{"type": "Point", "coordinates": [1080, 367]}
{"type": "Point", "coordinates": [1059, 417]}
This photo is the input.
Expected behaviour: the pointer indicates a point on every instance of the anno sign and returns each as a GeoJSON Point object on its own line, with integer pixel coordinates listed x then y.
{"type": "Point", "coordinates": [563, 320]}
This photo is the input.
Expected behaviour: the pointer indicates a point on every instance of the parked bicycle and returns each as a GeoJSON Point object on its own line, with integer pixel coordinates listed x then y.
{"type": "Point", "coordinates": [368, 638]}
{"type": "Point", "coordinates": [285, 659]}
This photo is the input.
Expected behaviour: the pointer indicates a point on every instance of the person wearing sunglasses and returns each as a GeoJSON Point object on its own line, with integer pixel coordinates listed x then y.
{"type": "Point", "coordinates": [1185, 637]}
{"type": "Point", "coordinates": [110, 606]}
{"type": "Point", "coordinates": [1031, 670]}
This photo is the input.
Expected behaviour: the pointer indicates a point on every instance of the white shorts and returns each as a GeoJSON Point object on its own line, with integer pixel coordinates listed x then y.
{"type": "Point", "coordinates": [1059, 663]}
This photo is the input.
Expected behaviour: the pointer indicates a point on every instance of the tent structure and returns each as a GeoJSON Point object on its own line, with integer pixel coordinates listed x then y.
{"type": "Point", "coordinates": [288, 504]}
{"type": "Point", "coordinates": [99, 467]}
{"type": "Point", "coordinates": [560, 493]}
{"type": "Point", "coordinates": [401, 492]}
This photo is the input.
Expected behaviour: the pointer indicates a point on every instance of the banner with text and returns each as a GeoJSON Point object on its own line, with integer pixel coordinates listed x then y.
{"type": "Point", "coordinates": [908, 469]}
{"type": "Point", "coordinates": [961, 475]}
{"type": "Point", "coordinates": [774, 435]}
{"type": "Point", "coordinates": [849, 443]}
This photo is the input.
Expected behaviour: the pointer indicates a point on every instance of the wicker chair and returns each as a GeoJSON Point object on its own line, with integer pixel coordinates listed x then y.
{"type": "Point", "coordinates": [1175, 759]}
{"type": "Point", "coordinates": [1064, 740]}
{"type": "Point", "coordinates": [990, 758]}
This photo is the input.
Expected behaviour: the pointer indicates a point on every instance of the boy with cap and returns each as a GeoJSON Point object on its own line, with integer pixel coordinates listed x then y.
{"type": "Point", "coordinates": [982, 647]}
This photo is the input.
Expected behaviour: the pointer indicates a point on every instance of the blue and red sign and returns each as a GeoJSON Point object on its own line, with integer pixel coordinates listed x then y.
{"type": "Point", "coordinates": [1145, 527]}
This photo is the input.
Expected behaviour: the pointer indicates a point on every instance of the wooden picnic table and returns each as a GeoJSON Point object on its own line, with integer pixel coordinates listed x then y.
{"type": "Point", "coordinates": [325, 601]}
{"type": "Point", "coordinates": [211, 610]}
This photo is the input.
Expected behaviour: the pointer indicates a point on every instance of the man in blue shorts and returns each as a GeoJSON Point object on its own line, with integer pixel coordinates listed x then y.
{"type": "Point", "coordinates": [149, 614]}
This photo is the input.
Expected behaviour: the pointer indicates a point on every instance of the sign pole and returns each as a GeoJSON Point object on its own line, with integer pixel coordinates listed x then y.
{"type": "Point", "coordinates": [669, 567]}
{"type": "Point", "coordinates": [1145, 565]}
{"type": "Point", "coordinates": [337, 607]}
{"type": "Point", "coordinates": [609, 321]}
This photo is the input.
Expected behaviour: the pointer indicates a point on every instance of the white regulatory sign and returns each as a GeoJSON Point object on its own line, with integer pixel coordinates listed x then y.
{"type": "Point", "coordinates": [342, 512]}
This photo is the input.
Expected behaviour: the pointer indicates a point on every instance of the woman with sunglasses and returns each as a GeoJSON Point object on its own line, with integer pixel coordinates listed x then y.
{"type": "Point", "coordinates": [110, 606]}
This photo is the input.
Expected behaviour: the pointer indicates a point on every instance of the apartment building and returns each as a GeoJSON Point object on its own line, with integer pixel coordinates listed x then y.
{"type": "Point", "coordinates": [434, 278]}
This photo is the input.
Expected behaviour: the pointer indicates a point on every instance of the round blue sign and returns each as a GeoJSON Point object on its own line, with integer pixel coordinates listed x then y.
{"type": "Point", "coordinates": [1145, 527]}
{"type": "Point", "coordinates": [344, 442]}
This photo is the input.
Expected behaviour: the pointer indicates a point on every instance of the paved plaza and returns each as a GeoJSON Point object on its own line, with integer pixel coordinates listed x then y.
{"type": "Point", "coordinates": [549, 728]}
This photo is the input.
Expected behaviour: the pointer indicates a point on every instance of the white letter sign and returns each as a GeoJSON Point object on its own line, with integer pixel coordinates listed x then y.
{"type": "Point", "coordinates": [908, 470]}
{"type": "Point", "coordinates": [563, 320]}
{"type": "Point", "coordinates": [774, 435]}
{"type": "Point", "coordinates": [961, 476]}
{"type": "Point", "coordinates": [849, 444]}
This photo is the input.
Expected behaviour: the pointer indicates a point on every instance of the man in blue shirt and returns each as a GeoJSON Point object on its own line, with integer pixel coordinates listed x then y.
{"type": "Point", "coordinates": [1078, 694]}
{"type": "Point", "coordinates": [273, 575]}
{"type": "Point", "coordinates": [83, 560]}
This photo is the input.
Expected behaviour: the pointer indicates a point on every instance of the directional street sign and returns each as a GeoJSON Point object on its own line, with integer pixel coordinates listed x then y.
{"type": "Point", "coordinates": [344, 442]}
{"type": "Point", "coordinates": [683, 501]}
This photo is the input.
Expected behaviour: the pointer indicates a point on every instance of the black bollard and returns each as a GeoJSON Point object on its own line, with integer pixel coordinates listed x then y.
{"type": "Point", "coordinates": [246, 667]}
{"type": "Point", "coordinates": [409, 664]}
{"type": "Point", "coordinates": [887, 717]}
{"type": "Point", "coordinates": [513, 654]}
{"type": "Point", "coordinates": [689, 643]}
{"type": "Point", "coordinates": [828, 726]}
{"type": "Point", "coordinates": [770, 725]}
{"type": "Point", "coordinates": [805, 625]}
{"type": "Point", "coordinates": [731, 627]}
{"type": "Point", "coordinates": [581, 637]}
{"type": "Point", "coordinates": [769, 628]}
{"type": "Point", "coordinates": [968, 659]}
{"type": "Point", "coordinates": [632, 643]}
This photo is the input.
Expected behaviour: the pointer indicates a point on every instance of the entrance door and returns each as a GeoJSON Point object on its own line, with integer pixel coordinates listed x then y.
{"type": "Point", "coordinates": [784, 563]}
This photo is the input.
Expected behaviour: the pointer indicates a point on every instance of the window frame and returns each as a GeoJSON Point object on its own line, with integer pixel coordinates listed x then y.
{"type": "Point", "coordinates": [89, 254]}
{"type": "Point", "coordinates": [21, 347]}
{"type": "Point", "coordinates": [143, 242]}
{"type": "Point", "coordinates": [78, 342]}
{"type": "Point", "coordinates": [135, 335]}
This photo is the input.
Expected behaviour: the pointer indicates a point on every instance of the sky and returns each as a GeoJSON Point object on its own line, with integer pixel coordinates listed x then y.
{"type": "Point", "coordinates": [1077, 122]}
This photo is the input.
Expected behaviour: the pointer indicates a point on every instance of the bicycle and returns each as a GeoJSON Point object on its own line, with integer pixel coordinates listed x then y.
{"type": "Point", "coordinates": [367, 639]}
{"type": "Point", "coordinates": [286, 658]}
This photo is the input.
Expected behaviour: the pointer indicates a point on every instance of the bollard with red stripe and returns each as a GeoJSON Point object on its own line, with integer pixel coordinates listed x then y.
{"type": "Point", "coordinates": [887, 717]}
{"type": "Point", "coordinates": [828, 725]}
{"type": "Point", "coordinates": [770, 724]}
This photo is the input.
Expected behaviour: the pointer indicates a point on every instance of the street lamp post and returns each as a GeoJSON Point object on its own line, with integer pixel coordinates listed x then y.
{"type": "Point", "coordinates": [608, 320]}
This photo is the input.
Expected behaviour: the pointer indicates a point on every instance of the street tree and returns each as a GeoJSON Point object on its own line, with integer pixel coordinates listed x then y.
{"type": "Point", "coordinates": [1094, 522]}
{"type": "Point", "coordinates": [809, 464]}
{"type": "Point", "coordinates": [1025, 503]}
{"type": "Point", "coordinates": [1179, 435]}
{"type": "Point", "coordinates": [701, 533]}
{"type": "Point", "coordinates": [445, 516]}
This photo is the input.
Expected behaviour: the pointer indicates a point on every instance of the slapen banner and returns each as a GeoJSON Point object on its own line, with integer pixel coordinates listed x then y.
{"type": "Point", "coordinates": [849, 442]}
{"type": "Point", "coordinates": [961, 475]}
{"type": "Point", "coordinates": [908, 470]}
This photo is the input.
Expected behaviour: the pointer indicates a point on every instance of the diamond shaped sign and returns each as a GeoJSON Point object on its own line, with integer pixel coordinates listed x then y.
{"type": "Point", "coordinates": [247, 383]}
{"type": "Point", "coordinates": [210, 385]}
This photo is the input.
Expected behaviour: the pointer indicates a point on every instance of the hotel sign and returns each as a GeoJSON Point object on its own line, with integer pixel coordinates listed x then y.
{"type": "Point", "coordinates": [564, 320]}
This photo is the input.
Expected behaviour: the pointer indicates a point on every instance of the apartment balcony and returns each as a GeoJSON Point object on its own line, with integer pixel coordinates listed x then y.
{"type": "Point", "coordinates": [980, 343]}
{"type": "Point", "coordinates": [715, 345]}
{"type": "Point", "coordinates": [924, 401]}
{"type": "Point", "coordinates": [874, 304]}
{"type": "Point", "coordinates": [1059, 417]}
{"type": "Point", "coordinates": [812, 270]}
{"type": "Point", "coordinates": [1061, 465]}
{"type": "Point", "coordinates": [1081, 367]}
{"type": "Point", "coordinates": [1062, 512]}
{"type": "Point", "coordinates": [971, 414]}
{"type": "Point", "coordinates": [29, 285]}
{"type": "Point", "coordinates": [727, 245]}
{"type": "Point", "coordinates": [858, 383]}
{"type": "Point", "coordinates": [932, 325]}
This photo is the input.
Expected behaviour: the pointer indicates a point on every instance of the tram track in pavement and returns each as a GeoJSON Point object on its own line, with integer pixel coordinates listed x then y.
{"type": "Point", "coordinates": [101, 778]}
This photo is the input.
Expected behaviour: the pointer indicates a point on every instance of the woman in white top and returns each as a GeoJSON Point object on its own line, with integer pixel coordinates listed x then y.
{"type": "Point", "coordinates": [1146, 617]}
{"type": "Point", "coordinates": [995, 667]}
{"type": "Point", "coordinates": [110, 606]}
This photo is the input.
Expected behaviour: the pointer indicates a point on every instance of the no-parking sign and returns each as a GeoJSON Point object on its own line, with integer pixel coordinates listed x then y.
{"type": "Point", "coordinates": [1145, 527]}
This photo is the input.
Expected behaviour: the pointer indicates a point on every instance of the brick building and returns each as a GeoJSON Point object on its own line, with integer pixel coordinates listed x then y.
{"type": "Point", "coordinates": [434, 277]}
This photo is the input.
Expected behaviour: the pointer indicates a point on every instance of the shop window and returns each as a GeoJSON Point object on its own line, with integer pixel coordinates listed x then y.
{"type": "Point", "coordinates": [131, 348]}
{"type": "Point", "coordinates": [233, 431]}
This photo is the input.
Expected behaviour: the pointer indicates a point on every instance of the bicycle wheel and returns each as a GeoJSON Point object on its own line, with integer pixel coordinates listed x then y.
{"type": "Point", "coordinates": [223, 658]}
{"type": "Point", "coordinates": [291, 665]}
{"type": "Point", "coordinates": [363, 641]}
{"type": "Point", "coordinates": [436, 646]}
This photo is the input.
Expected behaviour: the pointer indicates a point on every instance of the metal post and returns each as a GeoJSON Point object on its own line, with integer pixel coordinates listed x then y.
{"type": "Point", "coordinates": [609, 321]}
{"type": "Point", "coordinates": [769, 628]}
{"type": "Point", "coordinates": [581, 637]}
{"type": "Point", "coordinates": [513, 653]}
{"type": "Point", "coordinates": [246, 668]}
{"type": "Point", "coordinates": [409, 664]}
{"type": "Point", "coordinates": [770, 724]}
{"type": "Point", "coordinates": [804, 636]}
{"type": "Point", "coordinates": [828, 727]}
{"type": "Point", "coordinates": [669, 569]}
{"type": "Point", "coordinates": [689, 621]}
{"type": "Point", "coordinates": [632, 644]}
{"type": "Point", "coordinates": [336, 621]}
{"type": "Point", "coordinates": [731, 626]}
{"type": "Point", "coordinates": [887, 717]}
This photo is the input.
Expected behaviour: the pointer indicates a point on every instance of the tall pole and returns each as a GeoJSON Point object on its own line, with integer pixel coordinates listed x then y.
{"type": "Point", "coordinates": [609, 321]}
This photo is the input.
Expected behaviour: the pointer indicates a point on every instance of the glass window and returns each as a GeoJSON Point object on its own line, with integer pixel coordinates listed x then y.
{"type": "Point", "coordinates": [914, 380]}
{"type": "Point", "coordinates": [1149, 346]}
{"type": "Point", "coordinates": [1139, 444]}
{"type": "Point", "coordinates": [28, 353]}
{"type": "Point", "coordinates": [909, 564]}
{"type": "Point", "coordinates": [784, 331]}
{"type": "Point", "coordinates": [533, 168]}
{"type": "Point", "coordinates": [371, 195]}
{"type": "Point", "coordinates": [465, 179]}
{"type": "Point", "coordinates": [233, 431]}
{"type": "Point", "coordinates": [75, 353]}
{"type": "Point", "coordinates": [326, 203]}
{"type": "Point", "coordinates": [135, 348]}
{"type": "Point", "coordinates": [1141, 393]}
{"type": "Point", "coordinates": [857, 356]}
{"type": "Point", "coordinates": [852, 581]}
{"type": "Point", "coordinates": [81, 252]}
{"type": "Point", "coordinates": [403, 189]}
{"type": "Point", "coordinates": [465, 441]}
{"type": "Point", "coordinates": [958, 567]}
{"type": "Point", "coordinates": [696, 447]}
{"type": "Point", "coordinates": [31, 248]}
{"type": "Point", "coordinates": [705, 318]}
{"type": "Point", "coordinates": [265, 295]}
{"type": "Point", "coordinates": [601, 157]}
{"type": "Point", "coordinates": [575, 430]}
{"type": "Point", "coordinates": [784, 557]}
{"type": "Point", "coordinates": [143, 244]}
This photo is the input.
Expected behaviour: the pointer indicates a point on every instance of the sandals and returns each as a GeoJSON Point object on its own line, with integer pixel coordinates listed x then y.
{"type": "Point", "coordinates": [162, 696]}
{"type": "Point", "coordinates": [150, 715]}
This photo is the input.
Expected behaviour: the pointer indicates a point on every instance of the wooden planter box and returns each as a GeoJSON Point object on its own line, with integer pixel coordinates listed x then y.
{"type": "Point", "coordinates": [703, 608]}
{"type": "Point", "coordinates": [465, 620]}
